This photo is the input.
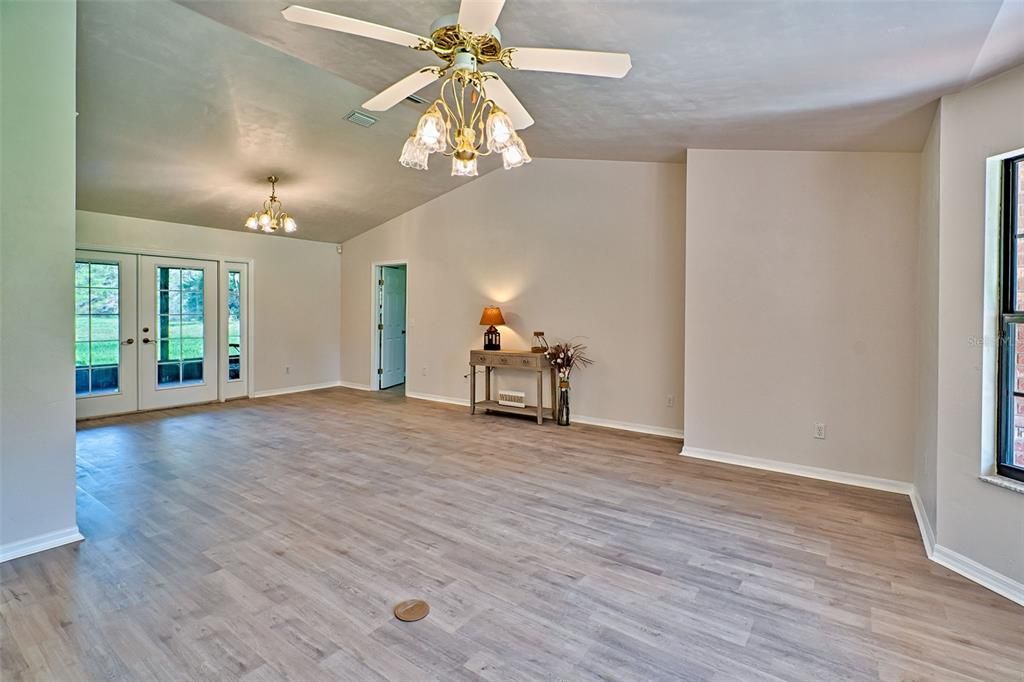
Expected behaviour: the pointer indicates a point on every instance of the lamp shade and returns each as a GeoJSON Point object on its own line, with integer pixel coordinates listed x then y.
{"type": "Point", "coordinates": [492, 316]}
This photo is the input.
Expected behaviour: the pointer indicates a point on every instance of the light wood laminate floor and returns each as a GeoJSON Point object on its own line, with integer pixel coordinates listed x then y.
{"type": "Point", "coordinates": [269, 539]}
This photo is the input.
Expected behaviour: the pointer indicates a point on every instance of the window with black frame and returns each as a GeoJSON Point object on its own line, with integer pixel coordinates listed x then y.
{"type": "Point", "coordinates": [1011, 371]}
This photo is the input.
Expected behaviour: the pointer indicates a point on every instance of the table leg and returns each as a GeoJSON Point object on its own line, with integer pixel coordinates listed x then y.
{"type": "Point", "coordinates": [472, 389]}
{"type": "Point", "coordinates": [487, 383]}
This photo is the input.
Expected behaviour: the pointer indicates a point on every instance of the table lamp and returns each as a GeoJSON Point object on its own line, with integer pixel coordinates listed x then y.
{"type": "Point", "coordinates": [492, 316]}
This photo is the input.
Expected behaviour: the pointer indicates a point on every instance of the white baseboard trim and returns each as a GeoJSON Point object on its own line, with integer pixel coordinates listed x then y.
{"type": "Point", "coordinates": [923, 523]}
{"type": "Point", "coordinates": [630, 426]}
{"type": "Point", "coordinates": [984, 576]}
{"type": "Point", "coordinates": [39, 543]}
{"type": "Point", "coordinates": [437, 398]}
{"type": "Point", "coordinates": [593, 421]}
{"type": "Point", "coordinates": [352, 384]}
{"type": "Point", "coordinates": [296, 389]}
{"type": "Point", "coordinates": [832, 475]}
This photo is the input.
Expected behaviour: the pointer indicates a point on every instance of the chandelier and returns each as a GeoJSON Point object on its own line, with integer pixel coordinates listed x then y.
{"type": "Point", "coordinates": [465, 124]}
{"type": "Point", "coordinates": [271, 218]}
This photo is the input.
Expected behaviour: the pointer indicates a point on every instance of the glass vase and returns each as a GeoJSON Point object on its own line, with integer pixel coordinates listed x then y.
{"type": "Point", "coordinates": [563, 403]}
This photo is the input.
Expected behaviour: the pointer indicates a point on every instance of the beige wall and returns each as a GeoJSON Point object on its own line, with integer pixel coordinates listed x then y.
{"type": "Point", "coordinates": [927, 322]}
{"type": "Point", "coordinates": [37, 243]}
{"type": "Point", "coordinates": [296, 288]}
{"type": "Point", "coordinates": [980, 521]}
{"type": "Point", "coordinates": [799, 308]}
{"type": "Point", "coordinates": [574, 248]}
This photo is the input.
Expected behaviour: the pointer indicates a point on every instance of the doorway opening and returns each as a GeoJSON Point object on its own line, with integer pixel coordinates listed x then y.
{"type": "Point", "coordinates": [389, 315]}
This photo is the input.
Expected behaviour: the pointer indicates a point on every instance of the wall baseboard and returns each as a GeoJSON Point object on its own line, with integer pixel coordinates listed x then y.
{"type": "Point", "coordinates": [352, 384]}
{"type": "Point", "coordinates": [819, 473]}
{"type": "Point", "coordinates": [924, 524]}
{"type": "Point", "coordinates": [592, 421]}
{"type": "Point", "coordinates": [39, 543]}
{"type": "Point", "coordinates": [296, 389]}
{"type": "Point", "coordinates": [437, 398]}
{"type": "Point", "coordinates": [984, 576]}
{"type": "Point", "coordinates": [630, 426]}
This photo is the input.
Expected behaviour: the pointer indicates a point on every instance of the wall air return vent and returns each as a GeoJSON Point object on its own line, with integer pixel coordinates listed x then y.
{"type": "Point", "coordinates": [361, 118]}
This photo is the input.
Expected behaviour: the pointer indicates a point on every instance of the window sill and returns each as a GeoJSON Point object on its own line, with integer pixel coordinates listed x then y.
{"type": "Point", "coordinates": [1004, 482]}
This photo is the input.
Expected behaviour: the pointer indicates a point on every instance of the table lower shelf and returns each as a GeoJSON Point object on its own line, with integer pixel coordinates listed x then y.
{"type": "Point", "coordinates": [528, 411]}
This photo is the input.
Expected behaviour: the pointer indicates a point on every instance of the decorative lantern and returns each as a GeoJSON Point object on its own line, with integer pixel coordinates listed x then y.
{"type": "Point", "coordinates": [491, 317]}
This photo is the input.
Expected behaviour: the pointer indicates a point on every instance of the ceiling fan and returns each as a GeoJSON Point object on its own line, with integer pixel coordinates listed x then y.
{"type": "Point", "coordinates": [476, 113]}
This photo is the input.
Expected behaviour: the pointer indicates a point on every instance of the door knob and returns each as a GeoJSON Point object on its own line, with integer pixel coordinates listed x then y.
{"type": "Point", "coordinates": [146, 340]}
{"type": "Point", "coordinates": [129, 342]}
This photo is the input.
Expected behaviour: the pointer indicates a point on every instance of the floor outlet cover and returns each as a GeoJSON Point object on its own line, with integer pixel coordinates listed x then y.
{"type": "Point", "coordinates": [412, 609]}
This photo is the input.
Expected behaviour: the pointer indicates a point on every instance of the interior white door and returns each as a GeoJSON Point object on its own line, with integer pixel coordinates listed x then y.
{"type": "Point", "coordinates": [234, 330]}
{"type": "Point", "coordinates": [178, 353]}
{"type": "Point", "coordinates": [392, 346]}
{"type": "Point", "coordinates": [106, 348]}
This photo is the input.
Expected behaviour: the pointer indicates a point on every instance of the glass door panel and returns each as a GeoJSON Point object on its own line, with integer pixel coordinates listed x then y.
{"type": "Point", "coordinates": [179, 326]}
{"type": "Point", "coordinates": [236, 352]}
{"type": "Point", "coordinates": [105, 320]}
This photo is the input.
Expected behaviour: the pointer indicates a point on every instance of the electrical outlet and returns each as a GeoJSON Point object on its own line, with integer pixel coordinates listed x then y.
{"type": "Point", "coordinates": [819, 431]}
{"type": "Point", "coordinates": [670, 401]}
{"type": "Point", "coordinates": [424, 371]}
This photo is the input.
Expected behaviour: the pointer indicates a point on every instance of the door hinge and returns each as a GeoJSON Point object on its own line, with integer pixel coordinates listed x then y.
{"type": "Point", "coordinates": [381, 327]}
{"type": "Point", "coordinates": [380, 282]}
{"type": "Point", "coordinates": [380, 370]}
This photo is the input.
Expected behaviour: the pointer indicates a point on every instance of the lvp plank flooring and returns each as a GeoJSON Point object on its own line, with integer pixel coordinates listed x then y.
{"type": "Point", "coordinates": [270, 539]}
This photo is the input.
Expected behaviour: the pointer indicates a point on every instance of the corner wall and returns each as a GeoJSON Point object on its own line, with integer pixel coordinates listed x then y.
{"type": "Point", "coordinates": [800, 301]}
{"type": "Point", "coordinates": [927, 338]}
{"type": "Point", "coordinates": [296, 287]}
{"type": "Point", "coordinates": [37, 249]}
{"type": "Point", "coordinates": [979, 522]}
{"type": "Point", "coordinates": [574, 248]}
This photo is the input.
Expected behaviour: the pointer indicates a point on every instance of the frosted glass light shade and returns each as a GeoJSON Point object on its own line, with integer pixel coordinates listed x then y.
{"type": "Point", "coordinates": [431, 131]}
{"type": "Point", "coordinates": [289, 224]}
{"type": "Point", "coordinates": [500, 130]}
{"type": "Point", "coordinates": [251, 222]}
{"type": "Point", "coordinates": [414, 155]}
{"type": "Point", "coordinates": [264, 220]}
{"type": "Point", "coordinates": [515, 154]}
{"type": "Point", "coordinates": [465, 166]}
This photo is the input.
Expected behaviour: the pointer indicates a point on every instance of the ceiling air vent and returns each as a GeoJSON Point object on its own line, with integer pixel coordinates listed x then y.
{"type": "Point", "coordinates": [416, 99]}
{"type": "Point", "coordinates": [361, 118]}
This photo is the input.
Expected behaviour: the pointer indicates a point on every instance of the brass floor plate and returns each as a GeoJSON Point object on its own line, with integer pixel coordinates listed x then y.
{"type": "Point", "coordinates": [412, 610]}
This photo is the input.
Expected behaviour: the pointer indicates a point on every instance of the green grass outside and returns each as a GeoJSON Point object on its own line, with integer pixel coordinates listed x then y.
{"type": "Point", "coordinates": [97, 337]}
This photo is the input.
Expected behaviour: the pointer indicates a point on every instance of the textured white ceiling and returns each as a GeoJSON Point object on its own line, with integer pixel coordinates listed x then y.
{"type": "Point", "coordinates": [178, 111]}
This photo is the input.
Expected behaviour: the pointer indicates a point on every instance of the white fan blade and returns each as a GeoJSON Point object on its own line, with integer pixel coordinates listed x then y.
{"type": "Point", "coordinates": [500, 93]}
{"type": "Point", "coordinates": [583, 62]}
{"type": "Point", "coordinates": [336, 22]}
{"type": "Point", "coordinates": [479, 16]}
{"type": "Point", "coordinates": [402, 89]}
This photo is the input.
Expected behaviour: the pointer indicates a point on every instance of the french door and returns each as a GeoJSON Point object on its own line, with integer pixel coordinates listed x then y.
{"type": "Point", "coordinates": [148, 334]}
{"type": "Point", "coordinates": [178, 356]}
{"type": "Point", "coordinates": [106, 379]}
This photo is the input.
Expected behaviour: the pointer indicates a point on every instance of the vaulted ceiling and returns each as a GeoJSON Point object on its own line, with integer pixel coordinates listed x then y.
{"type": "Point", "coordinates": [184, 108]}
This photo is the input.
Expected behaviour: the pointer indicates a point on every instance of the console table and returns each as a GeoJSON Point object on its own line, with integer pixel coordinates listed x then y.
{"type": "Point", "coordinates": [511, 359]}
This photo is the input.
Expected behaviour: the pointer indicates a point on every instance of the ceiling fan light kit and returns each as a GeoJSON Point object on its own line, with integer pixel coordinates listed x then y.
{"type": "Point", "coordinates": [475, 114]}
